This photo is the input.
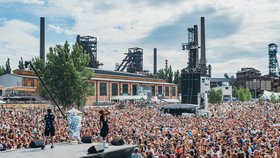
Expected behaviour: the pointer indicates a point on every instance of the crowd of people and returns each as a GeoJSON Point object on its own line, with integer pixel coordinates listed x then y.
{"type": "Point", "coordinates": [234, 130]}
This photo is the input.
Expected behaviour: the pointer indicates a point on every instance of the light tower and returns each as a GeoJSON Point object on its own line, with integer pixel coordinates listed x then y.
{"type": "Point", "coordinates": [273, 62]}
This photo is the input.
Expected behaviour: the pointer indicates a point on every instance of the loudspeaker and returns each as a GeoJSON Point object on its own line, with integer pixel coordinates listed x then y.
{"type": "Point", "coordinates": [190, 87]}
{"type": "Point", "coordinates": [96, 149]}
{"type": "Point", "coordinates": [117, 141]}
{"type": "Point", "coordinates": [36, 143]}
{"type": "Point", "coordinates": [86, 139]}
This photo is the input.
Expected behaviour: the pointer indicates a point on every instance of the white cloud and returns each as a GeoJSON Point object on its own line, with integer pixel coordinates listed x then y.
{"type": "Point", "coordinates": [231, 66]}
{"type": "Point", "coordinates": [59, 29]}
{"type": "Point", "coordinates": [3, 19]}
{"type": "Point", "coordinates": [40, 2]}
{"type": "Point", "coordinates": [118, 25]}
{"type": "Point", "coordinates": [259, 27]}
{"type": "Point", "coordinates": [17, 41]}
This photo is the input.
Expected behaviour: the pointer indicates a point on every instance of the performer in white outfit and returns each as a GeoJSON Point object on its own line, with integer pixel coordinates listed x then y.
{"type": "Point", "coordinates": [74, 127]}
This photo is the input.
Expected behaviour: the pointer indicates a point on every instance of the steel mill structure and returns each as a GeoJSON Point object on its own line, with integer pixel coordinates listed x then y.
{"type": "Point", "coordinates": [273, 62]}
{"type": "Point", "coordinates": [89, 44]}
{"type": "Point", "coordinates": [133, 62]}
{"type": "Point", "coordinates": [196, 76]}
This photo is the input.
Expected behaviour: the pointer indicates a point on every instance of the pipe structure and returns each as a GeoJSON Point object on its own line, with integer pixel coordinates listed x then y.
{"type": "Point", "coordinates": [202, 45]}
{"type": "Point", "coordinates": [155, 61]}
{"type": "Point", "coordinates": [196, 45]}
{"type": "Point", "coordinates": [42, 38]}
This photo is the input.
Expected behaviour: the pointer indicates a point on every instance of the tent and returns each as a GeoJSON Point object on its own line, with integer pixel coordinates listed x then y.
{"type": "Point", "coordinates": [130, 97]}
{"type": "Point", "coordinates": [170, 100]}
{"type": "Point", "coordinates": [266, 95]}
{"type": "Point", "coordinates": [74, 110]}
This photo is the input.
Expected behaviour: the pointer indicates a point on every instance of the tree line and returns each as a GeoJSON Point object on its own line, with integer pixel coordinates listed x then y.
{"type": "Point", "coordinates": [169, 76]}
{"type": "Point", "coordinates": [65, 73]}
{"type": "Point", "coordinates": [241, 93]}
{"type": "Point", "coordinates": [5, 69]}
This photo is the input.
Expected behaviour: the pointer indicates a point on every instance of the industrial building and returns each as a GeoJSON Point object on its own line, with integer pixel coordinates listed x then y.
{"type": "Point", "coordinates": [196, 76]}
{"type": "Point", "coordinates": [246, 74]}
{"type": "Point", "coordinates": [251, 79]}
{"type": "Point", "coordinates": [226, 91]}
{"type": "Point", "coordinates": [106, 84]}
{"type": "Point", "coordinates": [218, 82]}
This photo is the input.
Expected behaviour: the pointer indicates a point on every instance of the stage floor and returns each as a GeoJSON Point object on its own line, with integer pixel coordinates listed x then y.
{"type": "Point", "coordinates": [64, 150]}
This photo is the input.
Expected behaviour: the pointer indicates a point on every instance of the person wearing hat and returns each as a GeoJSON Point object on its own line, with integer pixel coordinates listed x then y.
{"type": "Point", "coordinates": [104, 127]}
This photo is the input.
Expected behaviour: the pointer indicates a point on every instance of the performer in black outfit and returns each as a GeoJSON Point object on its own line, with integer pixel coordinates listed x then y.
{"type": "Point", "coordinates": [104, 127]}
{"type": "Point", "coordinates": [49, 127]}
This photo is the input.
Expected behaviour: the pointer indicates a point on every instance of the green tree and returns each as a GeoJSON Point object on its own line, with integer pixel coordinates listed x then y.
{"type": "Point", "coordinates": [215, 96]}
{"type": "Point", "coordinates": [244, 94]}
{"type": "Point", "coordinates": [67, 75]}
{"type": "Point", "coordinates": [43, 91]}
{"type": "Point", "coordinates": [277, 90]}
{"type": "Point", "coordinates": [180, 84]}
{"type": "Point", "coordinates": [261, 100]}
{"type": "Point", "coordinates": [160, 74]}
{"type": "Point", "coordinates": [273, 98]}
{"type": "Point", "coordinates": [241, 94]}
{"type": "Point", "coordinates": [2, 70]}
{"type": "Point", "coordinates": [176, 77]}
{"type": "Point", "coordinates": [165, 74]}
{"type": "Point", "coordinates": [177, 80]}
{"type": "Point", "coordinates": [20, 64]}
{"type": "Point", "coordinates": [81, 60]}
{"type": "Point", "coordinates": [169, 75]}
{"type": "Point", "coordinates": [235, 92]}
{"type": "Point", "coordinates": [8, 67]}
{"type": "Point", "coordinates": [248, 95]}
{"type": "Point", "coordinates": [278, 99]}
{"type": "Point", "coordinates": [39, 65]}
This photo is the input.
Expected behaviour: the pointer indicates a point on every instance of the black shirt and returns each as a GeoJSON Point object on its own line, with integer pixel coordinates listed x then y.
{"type": "Point", "coordinates": [49, 120]}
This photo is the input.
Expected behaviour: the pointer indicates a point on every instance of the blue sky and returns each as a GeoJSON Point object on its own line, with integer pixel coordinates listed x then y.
{"type": "Point", "coordinates": [237, 32]}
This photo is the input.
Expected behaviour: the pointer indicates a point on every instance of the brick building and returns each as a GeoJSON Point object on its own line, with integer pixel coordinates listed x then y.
{"type": "Point", "coordinates": [105, 84]}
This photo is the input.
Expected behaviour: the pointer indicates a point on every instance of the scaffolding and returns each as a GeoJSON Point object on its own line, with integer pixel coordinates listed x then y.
{"type": "Point", "coordinates": [89, 44]}
{"type": "Point", "coordinates": [133, 61]}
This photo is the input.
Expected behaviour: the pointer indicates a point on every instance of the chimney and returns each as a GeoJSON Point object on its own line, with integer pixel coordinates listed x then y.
{"type": "Point", "coordinates": [155, 61]}
{"type": "Point", "coordinates": [196, 44]}
{"type": "Point", "coordinates": [166, 64]}
{"type": "Point", "coordinates": [42, 38]}
{"type": "Point", "coordinates": [78, 39]}
{"type": "Point", "coordinates": [202, 45]}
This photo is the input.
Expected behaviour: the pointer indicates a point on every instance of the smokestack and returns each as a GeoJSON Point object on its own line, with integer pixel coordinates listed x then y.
{"type": "Point", "coordinates": [155, 61]}
{"type": "Point", "coordinates": [196, 44]}
{"type": "Point", "coordinates": [42, 38]}
{"type": "Point", "coordinates": [166, 64]}
{"type": "Point", "coordinates": [78, 39]}
{"type": "Point", "coordinates": [202, 45]}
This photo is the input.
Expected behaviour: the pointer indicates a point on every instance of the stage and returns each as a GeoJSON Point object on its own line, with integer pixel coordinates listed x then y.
{"type": "Point", "coordinates": [72, 150]}
{"type": "Point", "coordinates": [179, 109]}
